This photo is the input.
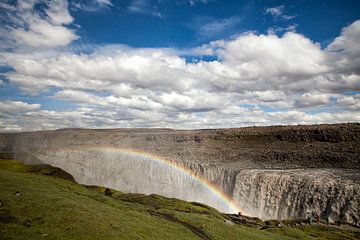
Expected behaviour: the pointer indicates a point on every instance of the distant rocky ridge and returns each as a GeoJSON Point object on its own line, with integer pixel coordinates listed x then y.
{"type": "Point", "coordinates": [273, 172]}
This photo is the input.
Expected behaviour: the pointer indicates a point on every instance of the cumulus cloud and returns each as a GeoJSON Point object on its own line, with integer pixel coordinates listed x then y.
{"type": "Point", "coordinates": [14, 107]}
{"type": "Point", "coordinates": [346, 48]}
{"type": "Point", "coordinates": [27, 24]}
{"type": "Point", "coordinates": [232, 116]}
{"type": "Point", "coordinates": [248, 62]}
{"type": "Point", "coordinates": [350, 102]}
{"type": "Point", "coordinates": [148, 69]}
{"type": "Point", "coordinates": [269, 56]}
{"type": "Point", "coordinates": [312, 100]}
{"type": "Point", "coordinates": [347, 41]}
{"type": "Point", "coordinates": [254, 79]}
{"type": "Point", "coordinates": [134, 102]}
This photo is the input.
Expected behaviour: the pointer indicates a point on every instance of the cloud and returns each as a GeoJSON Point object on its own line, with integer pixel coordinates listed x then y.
{"type": "Point", "coordinates": [216, 27]}
{"type": "Point", "coordinates": [350, 102]}
{"type": "Point", "coordinates": [278, 13]}
{"type": "Point", "coordinates": [253, 79]}
{"type": "Point", "coordinates": [347, 41]}
{"type": "Point", "coordinates": [144, 7]}
{"type": "Point", "coordinates": [134, 102]}
{"type": "Point", "coordinates": [250, 62]}
{"type": "Point", "coordinates": [43, 33]}
{"type": "Point", "coordinates": [277, 29]}
{"type": "Point", "coordinates": [58, 13]}
{"type": "Point", "coordinates": [104, 2]}
{"type": "Point", "coordinates": [139, 69]}
{"type": "Point", "coordinates": [46, 26]}
{"type": "Point", "coordinates": [312, 100]}
{"type": "Point", "coordinates": [91, 5]}
{"type": "Point", "coordinates": [261, 62]}
{"type": "Point", "coordinates": [195, 2]}
{"type": "Point", "coordinates": [275, 11]}
{"type": "Point", "coordinates": [193, 101]}
{"type": "Point", "coordinates": [346, 48]}
{"type": "Point", "coordinates": [15, 107]}
{"type": "Point", "coordinates": [227, 117]}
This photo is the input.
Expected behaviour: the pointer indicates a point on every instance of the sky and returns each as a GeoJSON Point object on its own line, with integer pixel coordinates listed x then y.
{"type": "Point", "coordinates": [182, 64]}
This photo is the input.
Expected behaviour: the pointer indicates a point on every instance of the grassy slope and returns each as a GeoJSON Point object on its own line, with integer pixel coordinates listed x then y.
{"type": "Point", "coordinates": [53, 208]}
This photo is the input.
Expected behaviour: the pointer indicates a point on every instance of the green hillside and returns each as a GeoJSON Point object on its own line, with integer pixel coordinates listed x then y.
{"type": "Point", "coordinates": [42, 202]}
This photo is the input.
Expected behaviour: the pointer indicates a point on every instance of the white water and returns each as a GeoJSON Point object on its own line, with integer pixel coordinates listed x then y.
{"type": "Point", "coordinates": [134, 174]}
{"type": "Point", "coordinates": [267, 194]}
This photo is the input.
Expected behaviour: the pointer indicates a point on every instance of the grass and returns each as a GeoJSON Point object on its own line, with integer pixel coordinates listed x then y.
{"type": "Point", "coordinates": [315, 232]}
{"type": "Point", "coordinates": [44, 203]}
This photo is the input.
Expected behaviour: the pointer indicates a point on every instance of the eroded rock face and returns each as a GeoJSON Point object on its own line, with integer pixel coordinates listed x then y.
{"type": "Point", "coordinates": [272, 172]}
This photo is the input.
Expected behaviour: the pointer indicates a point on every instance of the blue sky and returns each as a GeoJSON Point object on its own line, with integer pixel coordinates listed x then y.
{"type": "Point", "coordinates": [178, 64]}
{"type": "Point", "coordinates": [180, 23]}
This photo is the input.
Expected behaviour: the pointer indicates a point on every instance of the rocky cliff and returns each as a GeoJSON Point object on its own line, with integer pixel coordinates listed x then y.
{"type": "Point", "coordinates": [271, 172]}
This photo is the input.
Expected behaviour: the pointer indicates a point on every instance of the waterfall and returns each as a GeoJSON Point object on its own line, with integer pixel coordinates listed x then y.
{"type": "Point", "coordinates": [131, 173]}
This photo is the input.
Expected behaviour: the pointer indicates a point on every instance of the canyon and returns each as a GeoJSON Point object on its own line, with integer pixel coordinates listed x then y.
{"type": "Point", "coordinates": [275, 172]}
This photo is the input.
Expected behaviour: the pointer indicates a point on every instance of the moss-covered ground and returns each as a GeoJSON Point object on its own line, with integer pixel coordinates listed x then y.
{"type": "Point", "coordinates": [42, 202]}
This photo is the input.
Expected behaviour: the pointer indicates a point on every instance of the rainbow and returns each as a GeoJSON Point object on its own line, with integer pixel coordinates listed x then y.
{"type": "Point", "coordinates": [212, 188]}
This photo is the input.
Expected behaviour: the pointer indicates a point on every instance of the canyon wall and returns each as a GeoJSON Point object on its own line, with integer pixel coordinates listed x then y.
{"type": "Point", "coordinates": [271, 172]}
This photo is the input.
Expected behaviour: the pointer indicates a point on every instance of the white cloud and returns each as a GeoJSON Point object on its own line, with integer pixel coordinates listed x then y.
{"type": "Point", "coordinates": [91, 5]}
{"type": "Point", "coordinates": [231, 116]}
{"type": "Point", "coordinates": [104, 2]}
{"type": "Point", "coordinates": [270, 55]}
{"type": "Point", "coordinates": [275, 11]}
{"type": "Point", "coordinates": [79, 97]}
{"type": "Point", "coordinates": [348, 40]}
{"type": "Point", "coordinates": [277, 29]}
{"type": "Point", "coordinates": [154, 69]}
{"type": "Point", "coordinates": [42, 33]}
{"type": "Point", "coordinates": [194, 2]}
{"type": "Point", "coordinates": [216, 27]}
{"type": "Point", "coordinates": [7, 6]}
{"type": "Point", "coordinates": [207, 28]}
{"type": "Point", "coordinates": [193, 101]}
{"type": "Point", "coordinates": [144, 7]}
{"type": "Point", "coordinates": [249, 62]}
{"type": "Point", "coordinates": [312, 100]}
{"type": "Point", "coordinates": [14, 107]}
{"type": "Point", "coordinates": [135, 102]}
{"type": "Point", "coordinates": [27, 25]}
{"type": "Point", "coordinates": [350, 102]}
{"type": "Point", "coordinates": [346, 48]}
{"type": "Point", "coordinates": [278, 13]}
{"type": "Point", "coordinates": [58, 12]}
{"type": "Point", "coordinates": [254, 79]}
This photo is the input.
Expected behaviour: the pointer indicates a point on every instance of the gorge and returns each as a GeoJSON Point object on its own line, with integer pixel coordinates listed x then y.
{"type": "Point", "coordinates": [276, 172]}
